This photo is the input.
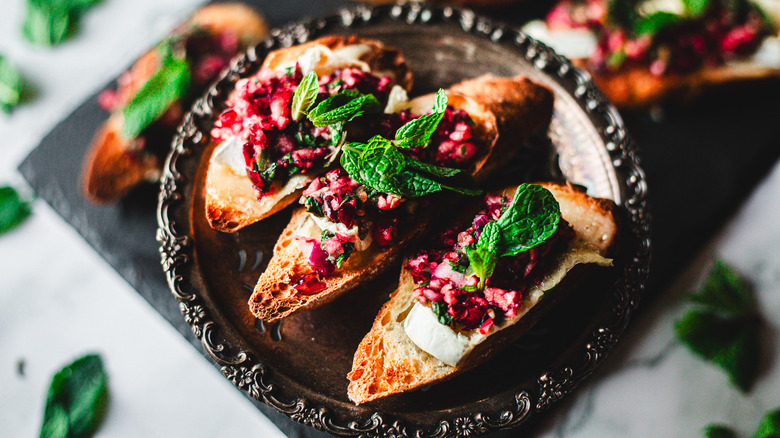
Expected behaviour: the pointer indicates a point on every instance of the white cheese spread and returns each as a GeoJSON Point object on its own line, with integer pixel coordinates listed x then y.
{"type": "Point", "coordinates": [338, 227]}
{"type": "Point", "coordinates": [231, 154]}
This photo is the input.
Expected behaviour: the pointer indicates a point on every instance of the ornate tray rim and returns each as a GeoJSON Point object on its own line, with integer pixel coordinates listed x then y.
{"type": "Point", "coordinates": [249, 374]}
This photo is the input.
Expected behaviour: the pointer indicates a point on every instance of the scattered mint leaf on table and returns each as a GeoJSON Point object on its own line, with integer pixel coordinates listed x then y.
{"type": "Point", "coordinates": [769, 426]}
{"type": "Point", "coordinates": [49, 22]}
{"type": "Point", "coordinates": [723, 326]}
{"type": "Point", "coordinates": [77, 400]}
{"type": "Point", "coordinates": [718, 431]}
{"type": "Point", "coordinates": [167, 85]}
{"type": "Point", "coordinates": [13, 209]}
{"type": "Point", "coordinates": [11, 85]}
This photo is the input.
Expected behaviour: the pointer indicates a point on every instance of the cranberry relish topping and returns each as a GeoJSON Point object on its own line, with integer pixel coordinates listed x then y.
{"type": "Point", "coordinates": [725, 30]}
{"type": "Point", "coordinates": [278, 147]}
{"type": "Point", "coordinates": [446, 283]}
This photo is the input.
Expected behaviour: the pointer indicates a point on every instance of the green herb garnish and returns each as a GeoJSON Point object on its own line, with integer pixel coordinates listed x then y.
{"type": "Point", "coordinates": [77, 400]}
{"type": "Point", "coordinates": [167, 85]}
{"type": "Point", "coordinates": [49, 22]}
{"type": "Point", "coordinates": [417, 133]}
{"type": "Point", "coordinates": [304, 96]}
{"type": "Point", "coordinates": [11, 85]}
{"type": "Point", "coordinates": [696, 8]}
{"type": "Point", "coordinates": [655, 22]}
{"type": "Point", "coordinates": [440, 309]}
{"type": "Point", "coordinates": [379, 164]}
{"type": "Point", "coordinates": [530, 219]}
{"type": "Point", "coordinates": [343, 107]}
{"type": "Point", "coordinates": [13, 209]}
{"type": "Point", "coordinates": [723, 327]}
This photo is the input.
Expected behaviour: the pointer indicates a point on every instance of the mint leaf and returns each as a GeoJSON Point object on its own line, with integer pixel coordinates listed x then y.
{"type": "Point", "coordinates": [438, 171]}
{"type": "Point", "coordinates": [167, 85]}
{"type": "Point", "coordinates": [49, 22]}
{"type": "Point", "coordinates": [718, 431]}
{"type": "Point", "coordinates": [304, 95]}
{"type": "Point", "coordinates": [769, 426]}
{"type": "Point", "coordinates": [484, 256]}
{"type": "Point", "coordinates": [725, 292]}
{"type": "Point", "coordinates": [655, 22]}
{"type": "Point", "coordinates": [77, 399]}
{"type": "Point", "coordinates": [530, 219]}
{"type": "Point", "coordinates": [45, 22]}
{"type": "Point", "coordinates": [696, 8]}
{"type": "Point", "coordinates": [723, 328]}
{"type": "Point", "coordinates": [343, 107]}
{"type": "Point", "coordinates": [11, 85]}
{"type": "Point", "coordinates": [418, 132]}
{"type": "Point", "coordinates": [13, 209]}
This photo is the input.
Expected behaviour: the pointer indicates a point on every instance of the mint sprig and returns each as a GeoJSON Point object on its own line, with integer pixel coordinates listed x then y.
{"type": "Point", "coordinates": [77, 400]}
{"type": "Point", "coordinates": [11, 85]}
{"type": "Point", "coordinates": [723, 327]}
{"type": "Point", "coordinates": [13, 209]}
{"type": "Point", "coordinates": [530, 219]}
{"type": "Point", "coordinates": [379, 164]}
{"type": "Point", "coordinates": [49, 22]}
{"type": "Point", "coordinates": [169, 84]}
{"type": "Point", "coordinates": [304, 96]}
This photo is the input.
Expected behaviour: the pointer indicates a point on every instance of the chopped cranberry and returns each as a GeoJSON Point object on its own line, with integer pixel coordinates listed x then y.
{"type": "Point", "coordinates": [310, 284]}
{"type": "Point", "coordinates": [469, 312]}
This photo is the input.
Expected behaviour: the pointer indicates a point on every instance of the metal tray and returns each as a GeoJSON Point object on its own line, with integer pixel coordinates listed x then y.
{"type": "Point", "coordinates": [299, 366]}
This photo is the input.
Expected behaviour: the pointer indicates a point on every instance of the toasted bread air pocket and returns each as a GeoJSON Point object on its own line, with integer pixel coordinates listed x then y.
{"type": "Point", "coordinates": [233, 200]}
{"type": "Point", "coordinates": [501, 109]}
{"type": "Point", "coordinates": [388, 360]}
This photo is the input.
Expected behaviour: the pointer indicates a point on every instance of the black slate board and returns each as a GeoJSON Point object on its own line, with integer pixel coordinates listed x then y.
{"type": "Point", "coordinates": [701, 160]}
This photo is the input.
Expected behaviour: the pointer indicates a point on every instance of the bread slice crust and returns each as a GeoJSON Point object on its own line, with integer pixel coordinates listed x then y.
{"type": "Point", "coordinates": [388, 362]}
{"type": "Point", "coordinates": [231, 201]}
{"type": "Point", "coordinates": [500, 106]}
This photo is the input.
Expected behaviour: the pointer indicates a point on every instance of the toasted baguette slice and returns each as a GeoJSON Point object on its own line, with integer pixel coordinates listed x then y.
{"type": "Point", "coordinates": [636, 88]}
{"type": "Point", "coordinates": [388, 362]}
{"type": "Point", "coordinates": [506, 112]}
{"type": "Point", "coordinates": [115, 164]}
{"type": "Point", "coordinates": [231, 200]}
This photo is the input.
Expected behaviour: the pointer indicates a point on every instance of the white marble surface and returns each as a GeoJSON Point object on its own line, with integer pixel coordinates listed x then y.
{"type": "Point", "coordinates": [59, 299]}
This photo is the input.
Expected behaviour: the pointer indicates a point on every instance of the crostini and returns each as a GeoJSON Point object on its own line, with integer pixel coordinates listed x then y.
{"type": "Point", "coordinates": [479, 286]}
{"type": "Point", "coordinates": [266, 155]}
{"type": "Point", "coordinates": [355, 222]}
{"type": "Point", "coordinates": [151, 96]}
{"type": "Point", "coordinates": [643, 52]}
